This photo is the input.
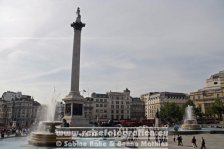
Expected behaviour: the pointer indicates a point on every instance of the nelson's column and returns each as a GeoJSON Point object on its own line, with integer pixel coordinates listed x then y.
{"type": "Point", "coordinates": [74, 102]}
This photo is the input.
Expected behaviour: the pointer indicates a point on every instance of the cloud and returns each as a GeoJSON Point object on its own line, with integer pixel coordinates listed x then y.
{"type": "Point", "coordinates": [142, 45]}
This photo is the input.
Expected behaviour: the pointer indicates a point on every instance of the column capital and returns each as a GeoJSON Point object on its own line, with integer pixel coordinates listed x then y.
{"type": "Point", "coordinates": [78, 25]}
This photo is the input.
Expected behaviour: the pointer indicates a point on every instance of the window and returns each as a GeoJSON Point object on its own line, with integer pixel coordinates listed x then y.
{"type": "Point", "coordinates": [112, 106]}
{"type": "Point", "coordinates": [101, 105]}
{"type": "Point", "coordinates": [105, 105]}
{"type": "Point", "coordinates": [215, 83]}
{"type": "Point", "coordinates": [97, 100]}
{"type": "Point", "coordinates": [117, 102]}
{"type": "Point", "coordinates": [97, 105]}
{"type": "Point", "coordinates": [101, 100]}
{"type": "Point", "coordinates": [97, 110]}
{"type": "Point", "coordinates": [112, 111]}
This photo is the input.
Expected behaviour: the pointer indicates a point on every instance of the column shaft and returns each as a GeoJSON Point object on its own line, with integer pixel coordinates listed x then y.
{"type": "Point", "coordinates": [76, 61]}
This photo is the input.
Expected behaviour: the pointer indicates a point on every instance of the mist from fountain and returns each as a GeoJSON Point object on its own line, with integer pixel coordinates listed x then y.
{"type": "Point", "coordinates": [190, 121]}
{"type": "Point", "coordinates": [48, 114]}
{"type": "Point", "coordinates": [51, 106]}
{"type": "Point", "coordinates": [189, 115]}
{"type": "Point", "coordinates": [45, 133]}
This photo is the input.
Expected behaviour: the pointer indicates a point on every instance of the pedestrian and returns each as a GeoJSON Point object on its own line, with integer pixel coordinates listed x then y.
{"type": "Point", "coordinates": [174, 138]}
{"type": "Point", "coordinates": [203, 143]}
{"type": "Point", "coordinates": [2, 133]}
{"type": "Point", "coordinates": [178, 140]}
{"type": "Point", "coordinates": [193, 141]}
{"type": "Point", "coordinates": [181, 141]}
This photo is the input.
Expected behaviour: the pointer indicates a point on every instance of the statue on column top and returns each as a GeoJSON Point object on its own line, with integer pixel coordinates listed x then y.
{"type": "Point", "coordinates": [78, 19]}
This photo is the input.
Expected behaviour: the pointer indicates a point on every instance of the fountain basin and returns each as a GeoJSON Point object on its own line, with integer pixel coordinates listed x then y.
{"type": "Point", "coordinates": [42, 139]}
{"type": "Point", "coordinates": [45, 138]}
{"type": "Point", "coordinates": [191, 127]}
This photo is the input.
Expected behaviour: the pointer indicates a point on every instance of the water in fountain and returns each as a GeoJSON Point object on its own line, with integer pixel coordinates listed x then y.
{"type": "Point", "coordinates": [189, 115]}
{"type": "Point", "coordinates": [45, 133]}
{"type": "Point", "coordinates": [51, 106]}
{"type": "Point", "coordinates": [190, 122]}
{"type": "Point", "coordinates": [49, 116]}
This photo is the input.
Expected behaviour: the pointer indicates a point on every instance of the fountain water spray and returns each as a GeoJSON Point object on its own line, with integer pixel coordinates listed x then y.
{"type": "Point", "coordinates": [190, 121]}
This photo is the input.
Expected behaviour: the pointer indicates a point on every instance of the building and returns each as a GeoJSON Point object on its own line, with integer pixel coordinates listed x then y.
{"type": "Point", "coordinates": [145, 98]}
{"type": "Point", "coordinates": [88, 109]}
{"type": "Point", "coordinates": [214, 89]}
{"type": "Point", "coordinates": [154, 101]}
{"type": "Point", "coordinates": [110, 106]}
{"type": "Point", "coordinates": [137, 109]}
{"type": "Point", "coordinates": [20, 110]}
{"type": "Point", "coordinates": [120, 105]}
{"type": "Point", "coordinates": [100, 104]}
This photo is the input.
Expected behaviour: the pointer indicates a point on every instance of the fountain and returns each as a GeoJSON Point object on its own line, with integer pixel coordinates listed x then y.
{"type": "Point", "coordinates": [190, 122]}
{"type": "Point", "coordinates": [45, 134]}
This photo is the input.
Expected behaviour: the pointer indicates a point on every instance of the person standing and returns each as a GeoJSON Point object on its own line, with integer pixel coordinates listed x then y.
{"type": "Point", "coordinates": [203, 143]}
{"type": "Point", "coordinates": [178, 140]}
{"type": "Point", "coordinates": [174, 138]}
{"type": "Point", "coordinates": [193, 141]}
{"type": "Point", "coordinates": [181, 141]}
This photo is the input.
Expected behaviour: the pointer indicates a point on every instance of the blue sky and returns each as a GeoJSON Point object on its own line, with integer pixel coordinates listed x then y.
{"type": "Point", "coordinates": [144, 45]}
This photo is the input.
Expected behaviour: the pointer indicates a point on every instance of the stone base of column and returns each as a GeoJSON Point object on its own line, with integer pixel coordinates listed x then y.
{"type": "Point", "coordinates": [76, 119]}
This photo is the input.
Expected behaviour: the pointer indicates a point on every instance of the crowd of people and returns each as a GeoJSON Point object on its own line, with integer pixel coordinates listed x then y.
{"type": "Point", "coordinates": [7, 132]}
{"type": "Point", "coordinates": [193, 141]}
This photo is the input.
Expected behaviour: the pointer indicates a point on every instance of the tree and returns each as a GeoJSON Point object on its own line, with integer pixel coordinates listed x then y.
{"type": "Point", "coordinates": [170, 113]}
{"type": "Point", "coordinates": [197, 110]}
{"type": "Point", "coordinates": [218, 108]}
{"type": "Point", "coordinates": [189, 102]}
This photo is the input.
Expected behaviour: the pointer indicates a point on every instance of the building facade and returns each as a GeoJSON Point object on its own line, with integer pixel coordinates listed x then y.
{"type": "Point", "coordinates": [17, 109]}
{"type": "Point", "coordinates": [120, 105]}
{"type": "Point", "coordinates": [137, 109]}
{"type": "Point", "coordinates": [100, 107]}
{"type": "Point", "coordinates": [154, 101]}
{"type": "Point", "coordinates": [110, 106]}
{"type": "Point", "coordinates": [214, 89]}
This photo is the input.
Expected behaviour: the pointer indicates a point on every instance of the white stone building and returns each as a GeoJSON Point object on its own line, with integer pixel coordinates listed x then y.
{"type": "Point", "coordinates": [110, 106]}
{"type": "Point", "coordinates": [120, 105]}
{"type": "Point", "coordinates": [154, 101]}
{"type": "Point", "coordinates": [214, 89]}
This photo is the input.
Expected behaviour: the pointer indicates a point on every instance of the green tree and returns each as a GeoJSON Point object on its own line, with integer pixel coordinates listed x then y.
{"type": "Point", "coordinates": [218, 108]}
{"type": "Point", "coordinates": [170, 113]}
{"type": "Point", "coordinates": [189, 102]}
